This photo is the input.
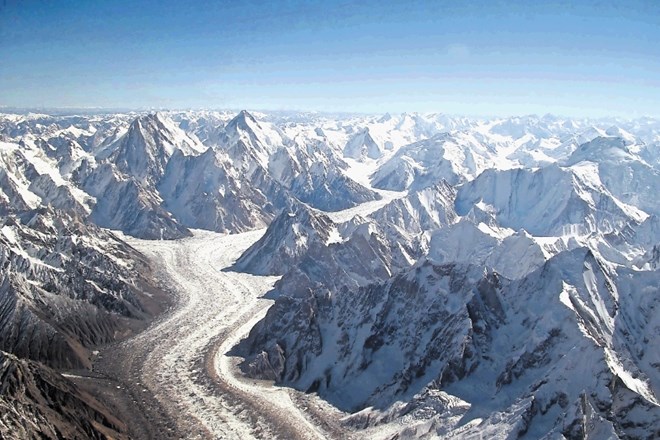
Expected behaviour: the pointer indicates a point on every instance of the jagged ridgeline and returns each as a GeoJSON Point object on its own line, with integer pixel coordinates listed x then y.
{"type": "Point", "coordinates": [471, 277]}
{"type": "Point", "coordinates": [69, 285]}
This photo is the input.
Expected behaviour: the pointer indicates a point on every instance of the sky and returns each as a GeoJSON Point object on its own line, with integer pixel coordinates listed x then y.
{"type": "Point", "coordinates": [582, 58]}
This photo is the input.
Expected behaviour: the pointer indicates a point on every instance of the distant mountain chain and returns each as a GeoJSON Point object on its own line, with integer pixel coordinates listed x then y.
{"type": "Point", "coordinates": [442, 276]}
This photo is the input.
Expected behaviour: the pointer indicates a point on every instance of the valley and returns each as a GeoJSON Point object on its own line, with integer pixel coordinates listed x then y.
{"type": "Point", "coordinates": [236, 275]}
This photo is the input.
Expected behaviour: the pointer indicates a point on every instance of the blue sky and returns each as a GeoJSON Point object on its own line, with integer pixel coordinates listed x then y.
{"type": "Point", "coordinates": [596, 58]}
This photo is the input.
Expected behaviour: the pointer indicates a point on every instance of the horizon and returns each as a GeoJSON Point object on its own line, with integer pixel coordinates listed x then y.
{"type": "Point", "coordinates": [90, 111]}
{"type": "Point", "coordinates": [593, 60]}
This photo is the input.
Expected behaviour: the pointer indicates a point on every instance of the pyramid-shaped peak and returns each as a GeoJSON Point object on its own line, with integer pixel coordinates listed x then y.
{"type": "Point", "coordinates": [303, 215]}
{"type": "Point", "coordinates": [244, 115]}
{"type": "Point", "coordinates": [243, 121]}
{"type": "Point", "coordinates": [362, 145]}
{"type": "Point", "coordinates": [157, 120]}
{"type": "Point", "coordinates": [286, 240]}
{"type": "Point", "coordinates": [386, 117]}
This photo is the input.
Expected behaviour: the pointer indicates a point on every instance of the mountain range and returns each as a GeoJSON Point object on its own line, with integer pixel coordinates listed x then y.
{"type": "Point", "coordinates": [496, 277]}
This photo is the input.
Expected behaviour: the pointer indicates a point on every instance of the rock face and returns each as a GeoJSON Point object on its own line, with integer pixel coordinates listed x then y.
{"type": "Point", "coordinates": [143, 152]}
{"type": "Point", "coordinates": [148, 178]}
{"type": "Point", "coordinates": [482, 338]}
{"type": "Point", "coordinates": [424, 210]}
{"type": "Point", "coordinates": [123, 204]}
{"type": "Point", "coordinates": [65, 287]}
{"type": "Point", "coordinates": [37, 402]}
{"type": "Point", "coordinates": [362, 146]}
{"type": "Point", "coordinates": [288, 238]}
{"type": "Point", "coordinates": [503, 302]}
{"type": "Point", "coordinates": [453, 157]}
{"type": "Point", "coordinates": [547, 201]}
{"type": "Point", "coordinates": [624, 173]}
{"type": "Point", "coordinates": [205, 192]}
{"type": "Point", "coordinates": [507, 288]}
{"type": "Point", "coordinates": [241, 183]}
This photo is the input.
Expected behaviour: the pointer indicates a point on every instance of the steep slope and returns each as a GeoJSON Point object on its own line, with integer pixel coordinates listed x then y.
{"type": "Point", "coordinates": [424, 210]}
{"type": "Point", "coordinates": [623, 173]}
{"type": "Point", "coordinates": [517, 353]}
{"type": "Point", "coordinates": [124, 175]}
{"type": "Point", "coordinates": [548, 201]}
{"type": "Point", "coordinates": [305, 167]}
{"type": "Point", "coordinates": [454, 157]}
{"type": "Point", "coordinates": [124, 204]}
{"type": "Point", "coordinates": [65, 287]}
{"type": "Point", "coordinates": [37, 402]}
{"type": "Point", "coordinates": [407, 223]}
{"type": "Point", "coordinates": [249, 142]}
{"type": "Point", "coordinates": [207, 126]}
{"type": "Point", "coordinates": [29, 179]}
{"type": "Point", "coordinates": [286, 240]}
{"type": "Point", "coordinates": [315, 175]}
{"type": "Point", "coordinates": [206, 192]}
{"type": "Point", "coordinates": [362, 146]}
{"type": "Point", "coordinates": [146, 147]}
{"type": "Point", "coordinates": [510, 254]}
{"type": "Point", "coordinates": [316, 255]}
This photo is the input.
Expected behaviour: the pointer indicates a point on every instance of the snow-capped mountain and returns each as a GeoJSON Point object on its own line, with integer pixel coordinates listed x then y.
{"type": "Point", "coordinates": [362, 146]}
{"type": "Point", "coordinates": [206, 192]}
{"type": "Point", "coordinates": [625, 174]}
{"type": "Point", "coordinates": [310, 171]}
{"type": "Point", "coordinates": [315, 254]}
{"type": "Point", "coordinates": [520, 365]}
{"type": "Point", "coordinates": [549, 201]}
{"type": "Point", "coordinates": [316, 175]}
{"type": "Point", "coordinates": [287, 239]}
{"type": "Point", "coordinates": [483, 277]}
{"type": "Point", "coordinates": [517, 279]}
{"type": "Point", "coordinates": [454, 157]}
{"type": "Point", "coordinates": [420, 211]}
{"type": "Point", "coordinates": [149, 178]}
{"type": "Point", "coordinates": [145, 149]}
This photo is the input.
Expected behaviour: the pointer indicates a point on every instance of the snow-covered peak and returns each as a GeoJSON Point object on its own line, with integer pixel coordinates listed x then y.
{"type": "Point", "coordinates": [146, 147]}
{"type": "Point", "coordinates": [385, 118]}
{"type": "Point", "coordinates": [261, 136]}
{"type": "Point", "coordinates": [287, 238]}
{"type": "Point", "coordinates": [602, 148]}
{"type": "Point", "coordinates": [243, 121]}
{"type": "Point", "coordinates": [454, 157]}
{"type": "Point", "coordinates": [588, 134]}
{"type": "Point", "coordinates": [362, 146]}
{"type": "Point", "coordinates": [549, 201]}
{"type": "Point", "coordinates": [624, 173]}
{"type": "Point", "coordinates": [424, 210]}
{"type": "Point", "coordinates": [616, 131]}
{"type": "Point", "coordinates": [513, 256]}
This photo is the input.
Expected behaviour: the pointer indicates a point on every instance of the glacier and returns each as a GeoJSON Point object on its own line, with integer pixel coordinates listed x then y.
{"type": "Point", "coordinates": [309, 275]}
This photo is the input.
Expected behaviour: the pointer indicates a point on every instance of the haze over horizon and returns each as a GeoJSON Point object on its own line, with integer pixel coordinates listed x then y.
{"type": "Point", "coordinates": [476, 58]}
